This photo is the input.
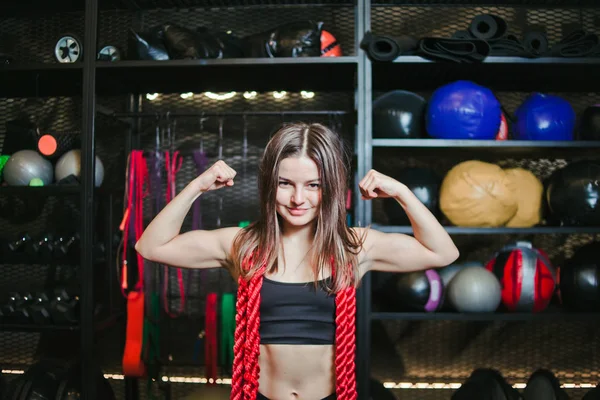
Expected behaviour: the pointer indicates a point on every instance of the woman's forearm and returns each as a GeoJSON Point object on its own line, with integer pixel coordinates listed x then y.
{"type": "Point", "coordinates": [426, 228]}
{"type": "Point", "coordinates": [167, 224]}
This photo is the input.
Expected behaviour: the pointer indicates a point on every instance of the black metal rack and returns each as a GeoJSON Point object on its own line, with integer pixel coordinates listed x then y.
{"type": "Point", "coordinates": [511, 78]}
{"type": "Point", "coordinates": [112, 94]}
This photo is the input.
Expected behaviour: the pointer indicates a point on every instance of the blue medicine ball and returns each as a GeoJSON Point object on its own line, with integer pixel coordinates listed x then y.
{"type": "Point", "coordinates": [544, 117]}
{"type": "Point", "coordinates": [463, 110]}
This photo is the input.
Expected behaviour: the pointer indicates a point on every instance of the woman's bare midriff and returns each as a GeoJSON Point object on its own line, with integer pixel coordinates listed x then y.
{"type": "Point", "coordinates": [296, 372]}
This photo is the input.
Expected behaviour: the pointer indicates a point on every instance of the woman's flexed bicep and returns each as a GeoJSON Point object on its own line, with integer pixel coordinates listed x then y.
{"type": "Point", "coordinates": [194, 249]}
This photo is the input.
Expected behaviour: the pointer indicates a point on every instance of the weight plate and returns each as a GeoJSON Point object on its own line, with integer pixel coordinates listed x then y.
{"type": "Point", "coordinates": [68, 49]}
{"type": "Point", "coordinates": [109, 53]}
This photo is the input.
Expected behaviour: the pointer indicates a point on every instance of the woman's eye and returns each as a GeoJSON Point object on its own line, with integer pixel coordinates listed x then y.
{"type": "Point", "coordinates": [314, 185]}
{"type": "Point", "coordinates": [282, 183]}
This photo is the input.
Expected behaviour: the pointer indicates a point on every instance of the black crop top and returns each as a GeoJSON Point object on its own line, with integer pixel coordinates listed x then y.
{"type": "Point", "coordinates": [296, 313]}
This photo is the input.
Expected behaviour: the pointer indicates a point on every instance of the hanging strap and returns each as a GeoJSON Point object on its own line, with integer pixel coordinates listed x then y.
{"type": "Point", "coordinates": [152, 343]}
{"type": "Point", "coordinates": [210, 340]}
{"type": "Point", "coordinates": [173, 165]}
{"type": "Point", "coordinates": [201, 163]}
{"type": "Point", "coordinates": [133, 365]}
{"type": "Point", "coordinates": [227, 330]}
{"type": "Point", "coordinates": [132, 227]}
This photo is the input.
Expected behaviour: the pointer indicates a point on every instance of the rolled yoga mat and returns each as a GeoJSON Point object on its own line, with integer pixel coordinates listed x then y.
{"type": "Point", "coordinates": [494, 30]}
{"type": "Point", "coordinates": [488, 27]}
{"type": "Point", "coordinates": [457, 50]}
{"type": "Point", "coordinates": [536, 42]}
{"type": "Point", "coordinates": [578, 43]}
{"type": "Point", "coordinates": [510, 45]}
{"type": "Point", "coordinates": [387, 48]}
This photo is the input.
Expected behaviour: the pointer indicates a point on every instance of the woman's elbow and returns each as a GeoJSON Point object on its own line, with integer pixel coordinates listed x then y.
{"type": "Point", "coordinates": [455, 255]}
{"type": "Point", "coordinates": [449, 256]}
{"type": "Point", "coordinates": [143, 250]}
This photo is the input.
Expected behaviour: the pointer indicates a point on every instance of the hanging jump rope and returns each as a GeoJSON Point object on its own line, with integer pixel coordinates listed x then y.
{"type": "Point", "coordinates": [152, 321]}
{"type": "Point", "coordinates": [173, 163]}
{"type": "Point", "coordinates": [132, 227]}
{"type": "Point", "coordinates": [201, 161]}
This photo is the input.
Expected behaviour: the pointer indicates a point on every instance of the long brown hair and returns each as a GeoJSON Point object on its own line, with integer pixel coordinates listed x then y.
{"type": "Point", "coordinates": [255, 251]}
{"type": "Point", "coordinates": [335, 244]}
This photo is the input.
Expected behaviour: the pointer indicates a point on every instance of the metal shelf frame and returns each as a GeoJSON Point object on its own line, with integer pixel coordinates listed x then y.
{"type": "Point", "coordinates": [358, 73]}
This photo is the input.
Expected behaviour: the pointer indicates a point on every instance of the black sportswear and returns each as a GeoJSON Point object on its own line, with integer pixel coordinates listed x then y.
{"type": "Point", "coordinates": [296, 313]}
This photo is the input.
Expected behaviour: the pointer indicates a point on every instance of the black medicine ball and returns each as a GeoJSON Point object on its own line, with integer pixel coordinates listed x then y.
{"type": "Point", "coordinates": [399, 114]}
{"type": "Point", "coordinates": [424, 183]}
{"type": "Point", "coordinates": [589, 128]}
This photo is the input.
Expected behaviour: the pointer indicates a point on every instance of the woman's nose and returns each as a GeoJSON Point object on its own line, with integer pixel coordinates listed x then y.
{"type": "Point", "coordinates": [298, 196]}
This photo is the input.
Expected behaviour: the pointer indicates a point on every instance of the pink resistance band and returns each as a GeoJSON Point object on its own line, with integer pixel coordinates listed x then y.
{"type": "Point", "coordinates": [172, 167]}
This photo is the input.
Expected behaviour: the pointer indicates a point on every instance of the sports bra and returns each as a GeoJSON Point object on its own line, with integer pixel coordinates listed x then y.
{"type": "Point", "coordinates": [296, 313]}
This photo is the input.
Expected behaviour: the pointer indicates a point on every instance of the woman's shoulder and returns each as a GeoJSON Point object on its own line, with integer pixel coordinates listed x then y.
{"type": "Point", "coordinates": [361, 233]}
{"type": "Point", "coordinates": [227, 235]}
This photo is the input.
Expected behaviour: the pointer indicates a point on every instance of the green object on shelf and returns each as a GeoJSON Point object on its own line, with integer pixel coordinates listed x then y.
{"type": "Point", "coordinates": [227, 330]}
{"type": "Point", "coordinates": [151, 343]}
{"type": "Point", "coordinates": [243, 224]}
{"type": "Point", "coordinates": [36, 182]}
{"type": "Point", "coordinates": [3, 161]}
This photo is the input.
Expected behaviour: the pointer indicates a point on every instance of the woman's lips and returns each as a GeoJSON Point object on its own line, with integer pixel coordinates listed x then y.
{"type": "Point", "coordinates": [297, 211]}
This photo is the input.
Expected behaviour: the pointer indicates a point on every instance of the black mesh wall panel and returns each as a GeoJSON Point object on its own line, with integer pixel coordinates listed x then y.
{"type": "Point", "coordinates": [448, 351]}
{"type": "Point", "coordinates": [445, 20]}
{"type": "Point", "coordinates": [32, 38]}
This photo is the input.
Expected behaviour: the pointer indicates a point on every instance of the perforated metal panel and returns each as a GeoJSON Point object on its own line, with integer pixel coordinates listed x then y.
{"type": "Point", "coordinates": [444, 21]}
{"type": "Point", "coordinates": [18, 349]}
{"type": "Point", "coordinates": [57, 114]}
{"type": "Point", "coordinates": [32, 38]}
{"type": "Point", "coordinates": [114, 25]}
{"type": "Point", "coordinates": [448, 351]}
{"type": "Point", "coordinates": [527, 3]}
{"type": "Point", "coordinates": [166, 4]}
{"type": "Point", "coordinates": [111, 141]}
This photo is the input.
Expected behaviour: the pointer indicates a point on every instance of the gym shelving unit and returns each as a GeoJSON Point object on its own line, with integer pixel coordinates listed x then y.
{"type": "Point", "coordinates": [35, 84]}
{"type": "Point", "coordinates": [548, 339]}
{"type": "Point", "coordinates": [110, 100]}
{"type": "Point", "coordinates": [228, 105]}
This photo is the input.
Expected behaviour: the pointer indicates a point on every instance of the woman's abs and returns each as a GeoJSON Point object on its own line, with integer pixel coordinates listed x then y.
{"type": "Point", "coordinates": [296, 372]}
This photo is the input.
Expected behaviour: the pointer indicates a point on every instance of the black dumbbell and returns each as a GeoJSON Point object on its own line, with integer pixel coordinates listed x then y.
{"type": "Point", "coordinates": [39, 309]}
{"type": "Point", "coordinates": [22, 313]}
{"type": "Point", "coordinates": [67, 246]}
{"type": "Point", "coordinates": [9, 308]}
{"type": "Point", "coordinates": [43, 246]}
{"type": "Point", "coordinates": [64, 308]}
{"type": "Point", "coordinates": [20, 243]}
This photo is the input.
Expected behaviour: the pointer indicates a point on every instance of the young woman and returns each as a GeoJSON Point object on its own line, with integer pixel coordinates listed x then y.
{"type": "Point", "coordinates": [297, 267]}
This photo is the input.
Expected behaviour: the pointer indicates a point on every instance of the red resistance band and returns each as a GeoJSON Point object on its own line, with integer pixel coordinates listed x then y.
{"type": "Point", "coordinates": [138, 174]}
{"type": "Point", "coordinates": [210, 339]}
{"type": "Point", "coordinates": [132, 355]}
{"type": "Point", "coordinates": [172, 167]}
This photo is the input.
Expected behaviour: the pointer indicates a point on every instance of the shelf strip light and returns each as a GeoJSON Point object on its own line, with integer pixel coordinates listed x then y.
{"type": "Point", "coordinates": [388, 385]}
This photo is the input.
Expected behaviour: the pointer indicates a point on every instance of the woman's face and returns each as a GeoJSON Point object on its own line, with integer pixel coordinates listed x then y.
{"type": "Point", "coordinates": [298, 191]}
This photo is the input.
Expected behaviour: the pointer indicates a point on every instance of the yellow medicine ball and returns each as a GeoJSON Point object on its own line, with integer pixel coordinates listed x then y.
{"type": "Point", "coordinates": [528, 190]}
{"type": "Point", "coordinates": [477, 194]}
